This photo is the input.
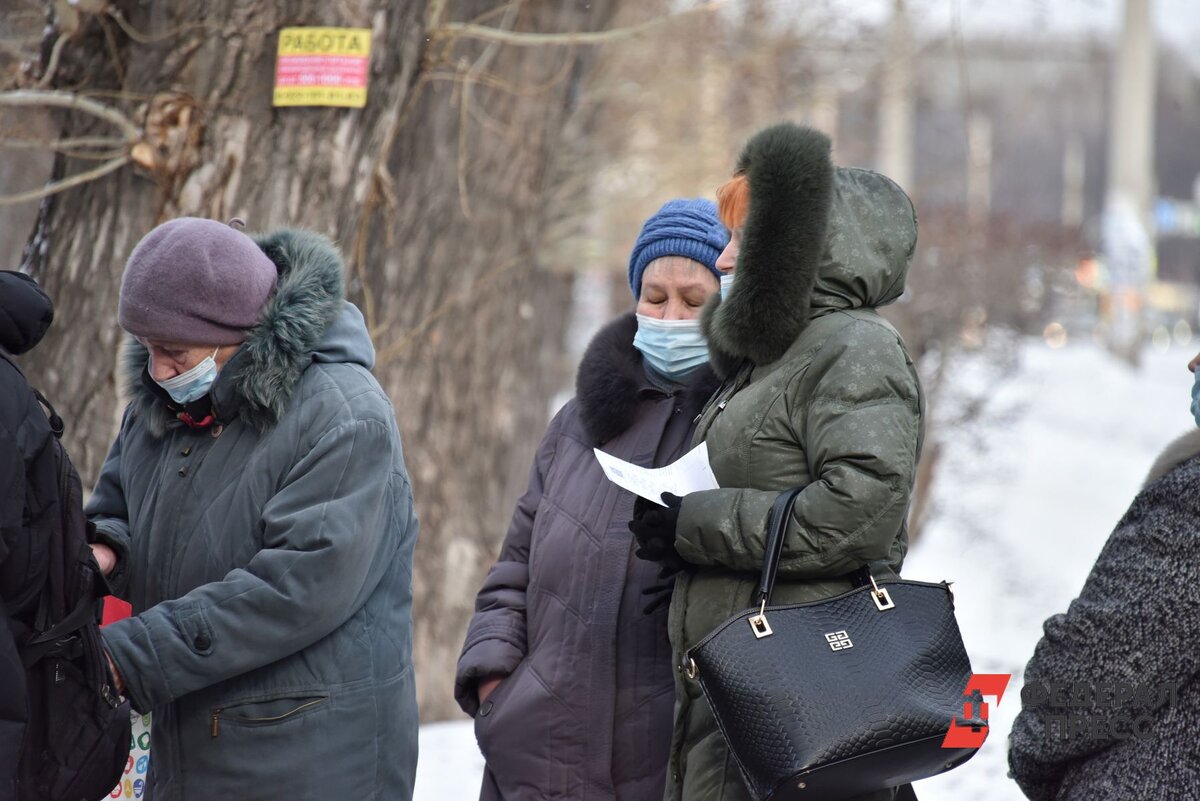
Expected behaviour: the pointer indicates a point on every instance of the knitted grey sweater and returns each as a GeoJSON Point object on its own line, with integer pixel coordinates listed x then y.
{"type": "Point", "coordinates": [1111, 702]}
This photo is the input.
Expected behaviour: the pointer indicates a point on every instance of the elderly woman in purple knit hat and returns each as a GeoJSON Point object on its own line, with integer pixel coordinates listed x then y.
{"type": "Point", "coordinates": [256, 512]}
{"type": "Point", "coordinates": [566, 666]}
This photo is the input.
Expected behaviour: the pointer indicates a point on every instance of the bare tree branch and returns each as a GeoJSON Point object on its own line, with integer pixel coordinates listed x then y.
{"type": "Point", "coordinates": [463, 30]}
{"type": "Point", "coordinates": [72, 102]}
{"type": "Point", "coordinates": [52, 65]}
{"type": "Point", "coordinates": [58, 186]}
{"type": "Point", "coordinates": [73, 143]}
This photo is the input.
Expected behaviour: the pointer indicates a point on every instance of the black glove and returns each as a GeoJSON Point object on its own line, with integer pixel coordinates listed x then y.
{"type": "Point", "coordinates": [653, 527]}
{"type": "Point", "coordinates": [658, 595]}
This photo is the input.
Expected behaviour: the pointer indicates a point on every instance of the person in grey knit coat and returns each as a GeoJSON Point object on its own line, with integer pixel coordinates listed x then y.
{"type": "Point", "coordinates": [1112, 697]}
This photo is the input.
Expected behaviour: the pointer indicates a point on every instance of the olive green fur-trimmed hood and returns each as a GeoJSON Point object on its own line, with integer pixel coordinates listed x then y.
{"type": "Point", "coordinates": [817, 238]}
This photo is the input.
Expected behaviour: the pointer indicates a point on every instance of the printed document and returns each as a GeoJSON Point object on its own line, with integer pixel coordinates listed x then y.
{"type": "Point", "coordinates": [690, 473]}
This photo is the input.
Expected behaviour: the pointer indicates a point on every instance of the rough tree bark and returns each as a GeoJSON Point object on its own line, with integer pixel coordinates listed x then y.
{"type": "Point", "coordinates": [435, 192]}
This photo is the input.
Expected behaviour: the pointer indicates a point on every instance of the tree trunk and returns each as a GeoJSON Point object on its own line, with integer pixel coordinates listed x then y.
{"type": "Point", "coordinates": [435, 192]}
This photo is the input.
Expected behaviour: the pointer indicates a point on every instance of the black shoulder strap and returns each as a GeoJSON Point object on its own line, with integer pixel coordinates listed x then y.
{"type": "Point", "coordinates": [56, 422]}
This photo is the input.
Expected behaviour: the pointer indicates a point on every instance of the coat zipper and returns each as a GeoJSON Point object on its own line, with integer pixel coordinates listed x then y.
{"type": "Point", "coordinates": [721, 398]}
{"type": "Point", "coordinates": [216, 715]}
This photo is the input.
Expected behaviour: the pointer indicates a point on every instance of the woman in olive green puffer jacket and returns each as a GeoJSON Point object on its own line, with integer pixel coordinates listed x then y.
{"type": "Point", "coordinates": [820, 393]}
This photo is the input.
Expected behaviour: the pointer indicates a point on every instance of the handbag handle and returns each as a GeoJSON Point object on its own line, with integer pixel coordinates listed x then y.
{"type": "Point", "coordinates": [777, 522]}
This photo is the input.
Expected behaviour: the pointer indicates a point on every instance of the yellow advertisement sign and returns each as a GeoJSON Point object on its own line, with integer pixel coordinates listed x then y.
{"type": "Point", "coordinates": [322, 67]}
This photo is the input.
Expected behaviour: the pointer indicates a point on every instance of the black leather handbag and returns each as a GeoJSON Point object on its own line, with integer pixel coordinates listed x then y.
{"type": "Point", "coordinates": [830, 699]}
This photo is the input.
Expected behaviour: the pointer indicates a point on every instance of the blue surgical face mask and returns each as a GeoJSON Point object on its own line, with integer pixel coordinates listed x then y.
{"type": "Point", "coordinates": [192, 385]}
{"type": "Point", "coordinates": [726, 284]}
{"type": "Point", "coordinates": [673, 348]}
{"type": "Point", "coordinates": [1196, 397]}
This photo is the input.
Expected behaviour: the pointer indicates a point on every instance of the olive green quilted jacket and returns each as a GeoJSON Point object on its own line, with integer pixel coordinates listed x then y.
{"type": "Point", "coordinates": [820, 393]}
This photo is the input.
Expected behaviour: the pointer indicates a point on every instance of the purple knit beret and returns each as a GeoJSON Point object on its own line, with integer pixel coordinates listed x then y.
{"type": "Point", "coordinates": [195, 282]}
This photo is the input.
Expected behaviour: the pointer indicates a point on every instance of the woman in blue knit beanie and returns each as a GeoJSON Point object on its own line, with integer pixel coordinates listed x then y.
{"type": "Point", "coordinates": [567, 666]}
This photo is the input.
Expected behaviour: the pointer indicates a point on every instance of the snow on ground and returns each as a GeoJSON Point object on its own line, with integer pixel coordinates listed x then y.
{"type": "Point", "coordinates": [1023, 506]}
{"type": "Point", "coordinates": [1023, 514]}
{"type": "Point", "coordinates": [450, 767]}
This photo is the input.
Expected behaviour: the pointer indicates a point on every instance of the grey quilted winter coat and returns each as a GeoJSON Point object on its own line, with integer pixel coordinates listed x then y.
{"type": "Point", "coordinates": [268, 560]}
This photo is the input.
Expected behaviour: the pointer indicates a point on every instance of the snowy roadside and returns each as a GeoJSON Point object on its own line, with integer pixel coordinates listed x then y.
{"type": "Point", "coordinates": [1022, 509]}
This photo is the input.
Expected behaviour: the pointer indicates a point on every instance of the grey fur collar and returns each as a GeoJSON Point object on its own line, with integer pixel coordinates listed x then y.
{"type": "Point", "coordinates": [1179, 451]}
{"type": "Point", "coordinates": [783, 239]}
{"type": "Point", "coordinates": [256, 385]}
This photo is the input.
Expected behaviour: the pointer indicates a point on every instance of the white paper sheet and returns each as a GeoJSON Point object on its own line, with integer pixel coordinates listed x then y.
{"type": "Point", "coordinates": [690, 473]}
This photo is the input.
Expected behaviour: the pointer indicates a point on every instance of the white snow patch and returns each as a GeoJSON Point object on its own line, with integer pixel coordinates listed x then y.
{"type": "Point", "coordinates": [1024, 509]}
{"type": "Point", "coordinates": [450, 767]}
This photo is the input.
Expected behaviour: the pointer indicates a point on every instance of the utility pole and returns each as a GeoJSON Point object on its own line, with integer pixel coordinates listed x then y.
{"type": "Point", "coordinates": [1074, 181]}
{"type": "Point", "coordinates": [1128, 225]}
{"type": "Point", "coordinates": [895, 156]}
{"type": "Point", "coordinates": [979, 173]}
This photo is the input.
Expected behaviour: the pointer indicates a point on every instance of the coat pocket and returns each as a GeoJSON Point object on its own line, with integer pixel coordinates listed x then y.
{"type": "Point", "coordinates": [269, 712]}
{"type": "Point", "coordinates": [492, 708]}
{"type": "Point", "coordinates": [528, 737]}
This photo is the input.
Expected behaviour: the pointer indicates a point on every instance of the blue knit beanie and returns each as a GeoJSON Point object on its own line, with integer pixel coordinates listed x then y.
{"type": "Point", "coordinates": [688, 228]}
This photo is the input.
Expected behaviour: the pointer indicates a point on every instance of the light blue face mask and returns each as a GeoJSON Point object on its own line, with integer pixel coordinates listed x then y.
{"type": "Point", "coordinates": [726, 284]}
{"type": "Point", "coordinates": [192, 385]}
{"type": "Point", "coordinates": [673, 348]}
{"type": "Point", "coordinates": [1196, 397]}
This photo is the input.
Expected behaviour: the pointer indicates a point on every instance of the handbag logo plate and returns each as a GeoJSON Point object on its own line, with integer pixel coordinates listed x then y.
{"type": "Point", "coordinates": [839, 640]}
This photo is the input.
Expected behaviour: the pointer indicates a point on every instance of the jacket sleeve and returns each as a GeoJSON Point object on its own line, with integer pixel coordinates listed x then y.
{"type": "Point", "coordinates": [856, 412]}
{"type": "Point", "coordinates": [1123, 648]}
{"type": "Point", "coordinates": [495, 642]}
{"type": "Point", "coordinates": [328, 535]}
{"type": "Point", "coordinates": [107, 512]}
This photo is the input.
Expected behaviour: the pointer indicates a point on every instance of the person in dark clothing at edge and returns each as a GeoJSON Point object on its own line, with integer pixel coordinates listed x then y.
{"type": "Point", "coordinates": [28, 493]}
{"type": "Point", "coordinates": [567, 666]}
{"type": "Point", "coordinates": [1112, 691]}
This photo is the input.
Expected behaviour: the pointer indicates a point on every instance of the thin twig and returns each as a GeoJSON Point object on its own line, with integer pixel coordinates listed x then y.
{"type": "Point", "coordinates": [114, 51]}
{"type": "Point", "coordinates": [94, 156]}
{"type": "Point", "coordinates": [143, 38]}
{"type": "Point", "coordinates": [72, 102]}
{"type": "Point", "coordinates": [433, 17]}
{"type": "Point", "coordinates": [494, 81]}
{"type": "Point", "coordinates": [61, 144]}
{"type": "Point", "coordinates": [481, 64]}
{"type": "Point", "coordinates": [445, 307]}
{"type": "Point", "coordinates": [465, 30]}
{"type": "Point", "coordinates": [464, 198]}
{"type": "Point", "coordinates": [55, 187]}
{"type": "Point", "coordinates": [52, 65]}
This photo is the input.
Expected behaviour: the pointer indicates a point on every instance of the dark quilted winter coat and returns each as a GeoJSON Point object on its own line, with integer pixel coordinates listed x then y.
{"type": "Point", "coordinates": [1136, 623]}
{"type": "Point", "coordinates": [585, 711]}
{"type": "Point", "coordinates": [821, 394]}
{"type": "Point", "coordinates": [28, 493]}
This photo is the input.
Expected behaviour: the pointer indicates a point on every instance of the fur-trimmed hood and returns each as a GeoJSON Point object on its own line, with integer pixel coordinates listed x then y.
{"type": "Point", "coordinates": [1179, 451]}
{"type": "Point", "coordinates": [307, 319]}
{"type": "Point", "coordinates": [816, 238]}
{"type": "Point", "coordinates": [612, 382]}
